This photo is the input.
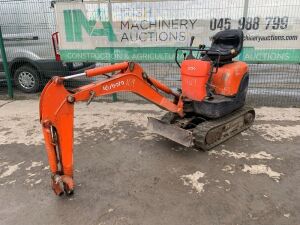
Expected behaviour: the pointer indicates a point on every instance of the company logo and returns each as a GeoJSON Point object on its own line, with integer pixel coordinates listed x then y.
{"type": "Point", "coordinates": [113, 86]}
{"type": "Point", "coordinates": [76, 21]}
{"type": "Point", "coordinates": [191, 68]}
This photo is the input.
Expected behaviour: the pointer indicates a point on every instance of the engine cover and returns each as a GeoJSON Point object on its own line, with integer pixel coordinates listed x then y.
{"type": "Point", "coordinates": [194, 76]}
{"type": "Point", "coordinates": [228, 78]}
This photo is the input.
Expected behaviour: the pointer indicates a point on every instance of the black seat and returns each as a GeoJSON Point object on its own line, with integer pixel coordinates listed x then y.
{"type": "Point", "coordinates": [228, 42]}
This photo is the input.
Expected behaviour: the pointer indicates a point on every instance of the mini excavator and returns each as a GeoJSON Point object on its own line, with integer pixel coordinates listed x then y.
{"type": "Point", "coordinates": [208, 109]}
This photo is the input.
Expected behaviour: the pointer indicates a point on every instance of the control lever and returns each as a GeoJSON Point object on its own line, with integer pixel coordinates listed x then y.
{"type": "Point", "coordinates": [192, 40]}
{"type": "Point", "coordinates": [190, 55]}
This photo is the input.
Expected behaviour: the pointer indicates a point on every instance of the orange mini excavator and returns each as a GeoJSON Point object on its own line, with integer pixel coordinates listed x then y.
{"type": "Point", "coordinates": [207, 109]}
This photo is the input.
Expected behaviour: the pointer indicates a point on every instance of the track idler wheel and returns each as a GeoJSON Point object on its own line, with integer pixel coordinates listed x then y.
{"type": "Point", "coordinates": [248, 118]}
{"type": "Point", "coordinates": [213, 136]}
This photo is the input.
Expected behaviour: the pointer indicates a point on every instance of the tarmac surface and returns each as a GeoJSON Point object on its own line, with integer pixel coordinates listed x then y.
{"type": "Point", "coordinates": [127, 176]}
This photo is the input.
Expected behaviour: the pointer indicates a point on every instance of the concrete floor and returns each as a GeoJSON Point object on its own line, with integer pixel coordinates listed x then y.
{"type": "Point", "coordinates": [125, 175]}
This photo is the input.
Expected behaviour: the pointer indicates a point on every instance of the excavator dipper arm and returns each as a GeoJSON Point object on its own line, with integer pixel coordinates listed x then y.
{"type": "Point", "coordinates": [57, 112]}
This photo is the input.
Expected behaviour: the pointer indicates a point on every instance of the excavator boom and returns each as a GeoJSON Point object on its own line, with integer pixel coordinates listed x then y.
{"type": "Point", "coordinates": [57, 111]}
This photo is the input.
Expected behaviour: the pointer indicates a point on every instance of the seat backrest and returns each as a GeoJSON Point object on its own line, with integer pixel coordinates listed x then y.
{"type": "Point", "coordinates": [229, 43]}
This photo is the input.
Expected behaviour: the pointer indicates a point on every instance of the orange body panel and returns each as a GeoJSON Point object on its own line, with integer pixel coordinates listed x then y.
{"type": "Point", "coordinates": [194, 77]}
{"type": "Point", "coordinates": [228, 78]}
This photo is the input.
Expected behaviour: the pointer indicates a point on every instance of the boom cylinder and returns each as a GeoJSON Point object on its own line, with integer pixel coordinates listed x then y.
{"type": "Point", "coordinates": [106, 69]}
{"type": "Point", "coordinates": [162, 86]}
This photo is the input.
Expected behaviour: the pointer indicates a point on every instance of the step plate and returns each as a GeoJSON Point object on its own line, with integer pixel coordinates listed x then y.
{"type": "Point", "coordinates": [172, 132]}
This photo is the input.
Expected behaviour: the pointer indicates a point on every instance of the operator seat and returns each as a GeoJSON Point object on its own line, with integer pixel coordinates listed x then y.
{"type": "Point", "coordinates": [229, 43]}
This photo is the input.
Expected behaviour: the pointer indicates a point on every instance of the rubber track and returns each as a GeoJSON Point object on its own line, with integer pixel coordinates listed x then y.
{"type": "Point", "coordinates": [200, 132]}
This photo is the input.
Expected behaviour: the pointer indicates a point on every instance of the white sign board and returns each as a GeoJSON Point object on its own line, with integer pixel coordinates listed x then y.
{"type": "Point", "coordinates": [150, 31]}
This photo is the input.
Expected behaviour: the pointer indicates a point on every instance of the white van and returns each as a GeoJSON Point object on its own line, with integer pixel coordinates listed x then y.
{"type": "Point", "coordinates": [27, 27]}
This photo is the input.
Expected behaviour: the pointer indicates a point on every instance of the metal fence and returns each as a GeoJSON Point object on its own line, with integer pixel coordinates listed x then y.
{"type": "Point", "coordinates": [29, 24]}
{"type": "Point", "coordinates": [269, 84]}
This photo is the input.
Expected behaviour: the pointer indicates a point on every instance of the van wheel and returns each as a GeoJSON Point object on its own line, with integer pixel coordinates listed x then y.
{"type": "Point", "coordinates": [27, 79]}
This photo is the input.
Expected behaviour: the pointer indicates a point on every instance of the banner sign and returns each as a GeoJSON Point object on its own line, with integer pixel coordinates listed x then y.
{"type": "Point", "coordinates": [150, 31]}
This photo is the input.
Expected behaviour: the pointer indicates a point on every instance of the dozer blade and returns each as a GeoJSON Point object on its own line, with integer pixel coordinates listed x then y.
{"type": "Point", "coordinates": [172, 132]}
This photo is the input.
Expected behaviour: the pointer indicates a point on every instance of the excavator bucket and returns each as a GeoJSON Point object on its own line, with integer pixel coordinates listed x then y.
{"type": "Point", "coordinates": [170, 131]}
